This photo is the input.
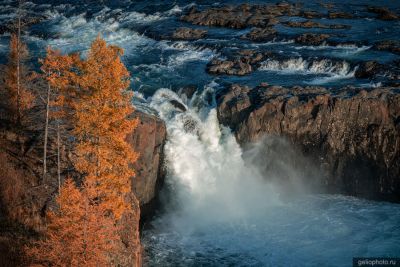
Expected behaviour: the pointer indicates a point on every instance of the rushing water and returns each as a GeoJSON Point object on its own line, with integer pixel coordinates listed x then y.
{"type": "Point", "coordinates": [218, 208]}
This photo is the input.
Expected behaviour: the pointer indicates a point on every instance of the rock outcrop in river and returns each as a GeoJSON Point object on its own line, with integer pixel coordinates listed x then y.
{"type": "Point", "coordinates": [353, 134]}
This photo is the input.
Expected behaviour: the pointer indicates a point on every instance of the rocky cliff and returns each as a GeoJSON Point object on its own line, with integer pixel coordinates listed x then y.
{"type": "Point", "coordinates": [25, 199]}
{"type": "Point", "coordinates": [353, 134]}
{"type": "Point", "coordinates": [148, 140]}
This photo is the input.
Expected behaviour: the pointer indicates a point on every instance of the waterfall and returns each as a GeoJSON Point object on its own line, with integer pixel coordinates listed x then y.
{"type": "Point", "coordinates": [223, 206]}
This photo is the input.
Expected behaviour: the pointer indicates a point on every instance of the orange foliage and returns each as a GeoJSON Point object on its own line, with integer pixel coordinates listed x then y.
{"type": "Point", "coordinates": [78, 234]}
{"type": "Point", "coordinates": [101, 125]}
{"type": "Point", "coordinates": [95, 92]}
{"type": "Point", "coordinates": [17, 77]}
{"type": "Point", "coordinates": [57, 69]}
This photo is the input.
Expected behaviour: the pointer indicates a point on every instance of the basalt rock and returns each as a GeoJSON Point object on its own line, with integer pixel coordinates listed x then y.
{"type": "Point", "coordinates": [188, 34]}
{"type": "Point", "coordinates": [352, 134]}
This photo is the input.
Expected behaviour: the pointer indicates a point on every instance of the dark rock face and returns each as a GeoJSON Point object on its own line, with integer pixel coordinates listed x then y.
{"type": "Point", "coordinates": [312, 38]}
{"type": "Point", "coordinates": [148, 140]}
{"type": "Point", "coordinates": [383, 13]}
{"type": "Point", "coordinates": [188, 34]}
{"type": "Point", "coordinates": [353, 135]}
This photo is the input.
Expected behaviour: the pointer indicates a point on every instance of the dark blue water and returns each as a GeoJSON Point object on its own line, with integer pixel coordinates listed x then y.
{"type": "Point", "coordinates": [203, 230]}
{"type": "Point", "coordinates": [72, 25]}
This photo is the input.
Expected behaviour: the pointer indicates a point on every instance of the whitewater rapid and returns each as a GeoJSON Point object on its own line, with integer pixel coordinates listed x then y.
{"type": "Point", "coordinates": [219, 209]}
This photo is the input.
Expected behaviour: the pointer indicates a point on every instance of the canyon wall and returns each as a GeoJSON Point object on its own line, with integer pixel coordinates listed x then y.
{"type": "Point", "coordinates": [352, 134]}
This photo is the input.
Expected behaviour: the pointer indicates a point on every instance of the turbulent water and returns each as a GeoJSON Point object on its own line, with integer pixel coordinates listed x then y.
{"type": "Point", "coordinates": [217, 207]}
{"type": "Point", "coordinates": [219, 210]}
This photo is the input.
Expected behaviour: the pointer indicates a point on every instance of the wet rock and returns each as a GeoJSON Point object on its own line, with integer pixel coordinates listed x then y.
{"type": "Point", "coordinates": [383, 13]}
{"type": "Point", "coordinates": [313, 24]}
{"type": "Point", "coordinates": [188, 34]}
{"type": "Point", "coordinates": [388, 45]}
{"type": "Point", "coordinates": [352, 134]}
{"type": "Point", "coordinates": [368, 69]}
{"type": "Point", "coordinates": [178, 105]}
{"type": "Point", "coordinates": [312, 38]}
{"type": "Point", "coordinates": [261, 34]}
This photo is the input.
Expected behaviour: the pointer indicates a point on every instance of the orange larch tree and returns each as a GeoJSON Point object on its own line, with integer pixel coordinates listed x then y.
{"type": "Point", "coordinates": [78, 233]}
{"type": "Point", "coordinates": [56, 69]}
{"type": "Point", "coordinates": [17, 79]}
{"type": "Point", "coordinates": [101, 125]}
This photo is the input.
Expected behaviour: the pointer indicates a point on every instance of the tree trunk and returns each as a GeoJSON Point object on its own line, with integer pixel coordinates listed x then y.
{"type": "Point", "coordinates": [46, 132]}
{"type": "Point", "coordinates": [58, 157]}
{"type": "Point", "coordinates": [18, 65]}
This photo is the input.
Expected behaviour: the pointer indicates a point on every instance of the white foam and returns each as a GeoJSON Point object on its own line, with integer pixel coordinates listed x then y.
{"type": "Point", "coordinates": [299, 65]}
{"type": "Point", "coordinates": [75, 33]}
